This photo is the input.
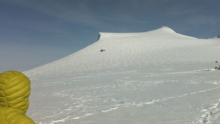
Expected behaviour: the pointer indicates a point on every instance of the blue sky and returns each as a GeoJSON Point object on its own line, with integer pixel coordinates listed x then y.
{"type": "Point", "coordinates": [36, 32]}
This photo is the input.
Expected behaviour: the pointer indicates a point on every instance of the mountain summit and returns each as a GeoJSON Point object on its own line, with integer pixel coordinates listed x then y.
{"type": "Point", "coordinates": [166, 29]}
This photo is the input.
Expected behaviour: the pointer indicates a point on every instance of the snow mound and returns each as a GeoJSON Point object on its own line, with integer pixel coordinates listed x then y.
{"type": "Point", "coordinates": [133, 50]}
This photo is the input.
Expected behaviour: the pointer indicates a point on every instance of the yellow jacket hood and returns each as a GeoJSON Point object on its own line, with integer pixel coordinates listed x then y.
{"type": "Point", "coordinates": [14, 93]}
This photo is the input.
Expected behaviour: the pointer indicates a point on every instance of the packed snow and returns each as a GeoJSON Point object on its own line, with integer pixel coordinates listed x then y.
{"type": "Point", "coordinates": [155, 77]}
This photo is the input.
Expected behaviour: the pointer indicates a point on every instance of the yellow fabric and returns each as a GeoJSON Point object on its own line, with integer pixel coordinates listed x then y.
{"type": "Point", "coordinates": [14, 93]}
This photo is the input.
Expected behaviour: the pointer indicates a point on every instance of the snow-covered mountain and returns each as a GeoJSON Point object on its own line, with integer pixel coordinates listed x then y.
{"type": "Point", "coordinates": [134, 50]}
{"type": "Point", "coordinates": [155, 77]}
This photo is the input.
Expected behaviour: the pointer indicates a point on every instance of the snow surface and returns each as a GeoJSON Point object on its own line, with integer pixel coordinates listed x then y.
{"type": "Point", "coordinates": [155, 77]}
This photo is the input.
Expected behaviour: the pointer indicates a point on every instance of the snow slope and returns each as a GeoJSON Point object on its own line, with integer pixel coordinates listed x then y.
{"type": "Point", "coordinates": [155, 77]}
{"type": "Point", "coordinates": [126, 50]}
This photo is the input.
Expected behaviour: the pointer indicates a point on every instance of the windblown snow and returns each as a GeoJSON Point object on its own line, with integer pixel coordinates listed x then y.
{"type": "Point", "coordinates": [155, 77]}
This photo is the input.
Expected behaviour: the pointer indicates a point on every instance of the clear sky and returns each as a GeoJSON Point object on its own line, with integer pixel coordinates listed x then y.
{"type": "Point", "coordinates": [36, 32]}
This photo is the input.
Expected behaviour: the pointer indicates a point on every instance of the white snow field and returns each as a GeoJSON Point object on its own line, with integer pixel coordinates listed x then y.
{"type": "Point", "coordinates": [155, 77]}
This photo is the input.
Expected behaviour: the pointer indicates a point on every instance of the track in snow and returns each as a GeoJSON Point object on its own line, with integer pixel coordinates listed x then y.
{"type": "Point", "coordinates": [80, 100]}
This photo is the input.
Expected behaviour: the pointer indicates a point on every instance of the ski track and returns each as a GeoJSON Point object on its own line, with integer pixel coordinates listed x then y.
{"type": "Point", "coordinates": [81, 108]}
{"type": "Point", "coordinates": [205, 119]}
